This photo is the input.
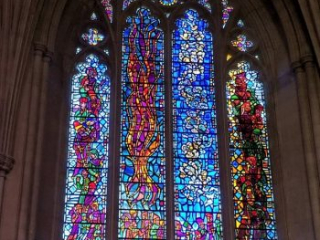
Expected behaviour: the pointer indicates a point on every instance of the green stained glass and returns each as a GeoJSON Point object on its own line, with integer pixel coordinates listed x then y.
{"type": "Point", "coordinates": [142, 208]}
{"type": "Point", "coordinates": [87, 165]}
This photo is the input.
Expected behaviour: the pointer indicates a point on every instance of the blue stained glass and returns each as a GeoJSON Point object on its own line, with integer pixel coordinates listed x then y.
{"type": "Point", "coordinates": [196, 168]}
{"type": "Point", "coordinates": [87, 166]}
{"type": "Point", "coordinates": [142, 163]}
{"type": "Point", "coordinates": [168, 2]}
{"type": "Point", "coordinates": [93, 37]}
{"type": "Point", "coordinates": [240, 23]}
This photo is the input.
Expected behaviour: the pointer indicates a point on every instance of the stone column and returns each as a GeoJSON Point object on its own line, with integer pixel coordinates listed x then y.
{"type": "Point", "coordinates": [32, 166]}
{"type": "Point", "coordinates": [6, 165]}
{"type": "Point", "coordinates": [309, 145]}
{"type": "Point", "coordinates": [43, 75]}
{"type": "Point", "coordinates": [40, 137]}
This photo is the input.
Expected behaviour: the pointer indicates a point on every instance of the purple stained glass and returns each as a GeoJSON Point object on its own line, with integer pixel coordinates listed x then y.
{"type": "Point", "coordinates": [108, 9]}
{"type": "Point", "coordinates": [87, 164]}
{"type": "Point", "coordinates": [226, 10]}
{"type": "Point", "coordinates": [254, 208]}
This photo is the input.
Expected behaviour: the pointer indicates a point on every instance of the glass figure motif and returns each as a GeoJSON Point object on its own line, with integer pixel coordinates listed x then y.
{"type": "Point", "coordinates": [196, 168]}
{"type": "Point", "coordinates": [142, 162]}
{"type": "Point", "coordinates": [226, 10]}
{"type": "Point", "coordinates": [241, 43]}
{"type": "Point", "coordinates": [93, 37]}
{"type": "Point", "coordinates": [108, 8]}
{"type": "Point", "coordinates": [254, 210]}
{"type": "Point", "coordinates": [87, 166]}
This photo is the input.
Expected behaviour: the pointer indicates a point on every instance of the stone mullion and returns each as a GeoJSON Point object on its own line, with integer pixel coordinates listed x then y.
{"type": "Point", "coordinates": [227, 204]}
{"type": "Point", "coordinates": [115, 120]}
{"type": "Point", "coordinates": [309, 147]}
{"type": "Point", "coordinates": [222, 68]}
{"type": "Point", "coordinates": [170, 200]}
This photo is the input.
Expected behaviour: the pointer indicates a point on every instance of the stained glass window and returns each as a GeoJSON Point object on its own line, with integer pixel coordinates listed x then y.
{"type": "Point", "coordinates": [204, 3]}
{"type": "Point", "coordinates": [87, 166]}
{"type": "Point", "coordinates": [142, 176]}
{"type": "Point", "coordinates": [226, 10]}
{"type": "Point", "coordinates": [108, 9]}
{"type": "Point", "coordinates": [78, 50]}
{"type": "Point", "coordinates": [254, 210]}
{"type": "Point", "coordinates": [168, 2]}
{"type": "Point", "coordinates": [196, 168]}
{"type": "Point", "coordinates": [241, 43]}
{"type": "Point", "coordinates": [93, 36]}
{"type": "Point", "coordinates": [151, 195]}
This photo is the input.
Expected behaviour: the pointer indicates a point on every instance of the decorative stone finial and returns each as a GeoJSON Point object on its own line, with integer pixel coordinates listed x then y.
{"type": "Point", "coordinates": [6, 163]}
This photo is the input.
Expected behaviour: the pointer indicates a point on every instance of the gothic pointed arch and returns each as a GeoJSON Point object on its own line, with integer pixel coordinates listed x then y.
{"type": "Point", "coordinates": [41, 50]}
{"type": "Point", "coordinates": [252, 178]}
{"type": "Point", "coordinates": [142, 192]}
{"type": "Point", "coordinates": [167, 76]}
{"type": "Point", "coordinates": [195, 151]}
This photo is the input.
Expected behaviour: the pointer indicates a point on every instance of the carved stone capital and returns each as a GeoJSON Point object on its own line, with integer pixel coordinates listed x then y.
{"type": "Point", "coordinates": [6, 163]}
{"type": "Point", "coordinates": [308, 61]}
{"type": "Point", "coordinates": [39, 49]}
{"type": "Point", "coordinates": [297, 67]}
{"type": "Point", "coordinates": [48, 56]}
